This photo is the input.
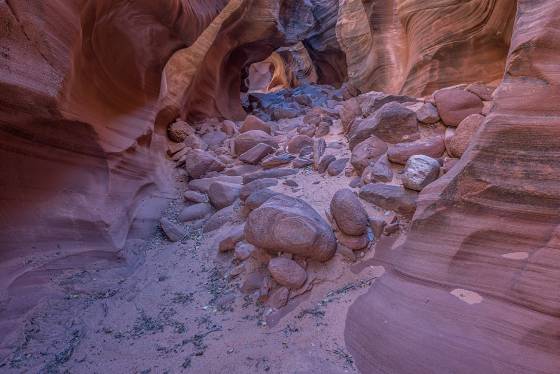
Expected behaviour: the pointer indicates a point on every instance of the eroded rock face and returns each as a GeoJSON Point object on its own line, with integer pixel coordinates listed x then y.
{"type": "Point", "coordinates": [290, 225]}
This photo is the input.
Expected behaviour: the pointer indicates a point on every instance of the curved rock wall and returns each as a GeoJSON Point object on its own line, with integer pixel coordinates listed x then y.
{"type": "Point", "coordinates": [475, 285]}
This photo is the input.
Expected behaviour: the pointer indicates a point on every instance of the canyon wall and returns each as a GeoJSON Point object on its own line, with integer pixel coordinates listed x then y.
{"type": "Point", "coordinates": [475, 285]}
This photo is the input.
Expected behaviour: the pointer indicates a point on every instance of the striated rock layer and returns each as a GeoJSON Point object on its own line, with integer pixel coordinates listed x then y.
{"type": "Point", "coordinates": [475, 285]}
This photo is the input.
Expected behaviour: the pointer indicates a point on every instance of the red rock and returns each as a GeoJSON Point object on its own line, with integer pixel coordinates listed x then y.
{"type": "Point", "coordinates": [350, 111]}
{"type": "Point", "coordinates": [428, 113]}
{"type": "Point", "coordinates": [460, 141]}
{"type": "Point", "coordinates": [298, 142]}
{"type": "Point", "coordinates": [336, 167]}
{"type": "Point", "coordinates": [377, 226]}
{"type": "Point", "coordinates": [173, 148]}
{"type": "Point", "coordinates": [279, 298]}
{"type": "Point", "coordinates": [354, 243]}
{"type": "Point", "coordinates": [273, 161]}
{"type": "Point", "coordinates": [301, 163]}
{"type": "Point", "coordinates": [323, 129]}
{"type": "Point", "coordinates": [481, 90]}
{"type": "Point", "coordinates": [174, 232]}
{"type": "Point", "coordinates": [390, 197]}
{"type": "Point", "coordinates": [256, 153]}
{"type": "Point", "coordinates": [259, 197]}
{"type": "Point", "coordinates": [194, 212]}
{"type": "Point", "coordinates": [198, 163]}
{"type": "Point", "coordinates": [367, 152]}
{"type": "Point", "coordinates": [203, 185]}
{"type": "Point", "coordinates": [229, 128]}
{"type": "Point", "coordinates": [273, 173]}
{"type": "Point", "coordinates": [348, 212]}
{"type": "Point", "coordinates": [432, 147]}
{"type": "Point", "coordinates": [254, 123]}
{"type": "Point", "coordinates": [307, 130]}
{"type": "Point", "coordinates": [456, 104]}
{"type": "Point", "coordinates": [380, 171]}
{"type": "Point", "coordinates": [420, 171]}
{"type": "Point", "coordinates": [223, 194]}
{"type": "Point", "coordinates": [247, 140]}
{"type": "Point", "coordinates": [228, 240]}
{"type": "Point", "coordinates": [243, 250]}
{"type": "Point", "coordinates": [290, 225]}
{"type": "Point", "coordinates": [195, 196]}
{"type": "Point", "coordinates": [287, 272]}
{"type": "Point", "coordinates": [346, 252]}
{"type": "Point", "coordinates": [325, 162]}
{"type": "Point", "coordinates": [178, 131]}
{"type": "Point", "coordinates": [256, 185]}
{"type": "Point", "coordinates": [195, 142]}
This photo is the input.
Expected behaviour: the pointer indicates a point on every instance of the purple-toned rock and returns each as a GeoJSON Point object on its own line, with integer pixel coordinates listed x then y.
{"type": "Point", "coordinates": [247, 140]}
{"type": "Point", "coordinates": [296, 143]}
{"type": "Point", "coordinates": [173, 231]}
{"type": "Point", "coordinates": [256, 185]}
{"type": "Point", "coordinates": [254, 123]}
{"type": "Point", "coordinates": [390, 197]}
{"type": "Point", "coordinates": [273, 161]}
{"type": "Point", "coordinates": [460, 141]}
{"type": "Point", "coordinates": [256, 153]}
{"type": "Point", "coordinates": [199, 162]}
{"type": "Point", "coordinates": [380, 171]}
{"type": "Point", "coordinates": [428, 113]}
{"type": "Point", "coordinates": [367, 152]}
{"type": "Point", "coordinates": [337, 166]}
{"type": "Point", "coordinates": [222, 194]}
{"type": "Point", "coordinates": [325, 162]}
{"type": "Point", "coordinates": [420, 171]}
{"type": "Point", "coordinates": [287, 272]}
{"type": "Point", "coordinates": [273, 173]}
{"type": "Point", "coordinates": [432, 147]}
{"type": "Point", "coordinates": [456, 104]}
{"type": "Point", "coordinates": [348, 212]}
{"type": "Point", "coordinates": [228, 241]}
{"type": "Point", "coordinates": [194, 212]}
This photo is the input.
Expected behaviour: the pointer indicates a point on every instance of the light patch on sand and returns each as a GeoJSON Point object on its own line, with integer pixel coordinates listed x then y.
{"type": "Point", "coordinates": [467, 296]}
{"type": "Point", "coordinates": [516, 255]}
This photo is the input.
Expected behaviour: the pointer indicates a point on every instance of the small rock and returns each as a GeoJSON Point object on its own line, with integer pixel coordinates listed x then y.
{"type": "Point", "coordinates": [256, 153]}
{"type": "Point", "coordinates": [247, 140]}
{"type": "Point", "coordinates": [287, 272]}
{"type": "Point", "coordinates": [337, 166]}
{"type": "Point", "coordinates": [380, 171]}
{"type": "Point", "coordinates": [348, 212]}
{"type": "Point", "coordinates": [307, 130]}
{"type": "Point", "coordinates": [273, 173]}
{"type": "Point", "coordinates": [282, 113]}
{"type": "Point", "coordinates": [243, 250]}
{"type": "Point", "coordinates": [223, 194]}
{"type": "Point", "coordinates": [203, 185]}
{"type": "Point", "coordinates": [173, 231]}
{"type": "Point", "coordinates": [259, 197]}
{"type": "Point", "coordinates": [173, 148]}
{"type": "Point", "coordinates": [256, 185]}
{"type": "Point", "coordinates": [199, 162]}
{"type": "Point", "coordinates": [377, 226]}
{"type": "Point", "coordinates": [428, 113]}
{"type": "Point", "coordinates": [350, 111]}
{"type": "Point", "coordinates": [229, 128]}
{"type": "Point", "coordinates": [254, 123]}
{"type": "Point", "coordinates": [194, 212]}
{"type": "Point", "coordinates": [459, 143]}
{"type": "Point", "coordinates": [228, 241]}
{"type": "Point", "coordinates": [367, 152]}
{"type": "Point", "coordinates": [195, 197]}
{"type": "Point", "coordinates": [273, 161]}
{"type": "Point", "coordinates": [279, 298]}
{"type": "Point", "coordinates": [306, 151]}
{"type": "Point", "coordinates": [296, 143]}
{"type": "Point", "coordinates": [301, 163]}
{"type": "Point", "coordinates": [325, 162]}
{"type": "Point", "coordinates": [420, 171]}
{"type": "Point", "coordinates": [291, 183]}
{"type": "Point", "coordinates": [390, 197]}
{"type": "Point", "coordinates": [433, 147]}
{"type": "Point", "coordinates": [303, 100]}
{"type": "Point", "coordinates": [355, 243]}
{"type": "Point", "coordinates": [195, 142]}
{"type": "Point", "coordinates": [323, 129]}
{"type": "Point", "coordinates": [319, 147]}
{"type": "Point", "coordinates": [178, 131]}
{"type": "Point", "coordinates": [220, 218]}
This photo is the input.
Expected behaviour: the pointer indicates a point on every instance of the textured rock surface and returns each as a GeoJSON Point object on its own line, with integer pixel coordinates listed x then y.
{"type": "Point", "coordinates": [288, 224]}
{"type": "Point", "coordinates": [420, 171]}
{"type": "Point", "coordinates": [348, 212]}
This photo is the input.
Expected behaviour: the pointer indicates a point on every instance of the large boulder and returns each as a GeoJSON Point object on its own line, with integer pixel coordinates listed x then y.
{"type": "Point", "coordinates": [287, 272]}
{"type": "Point", "coordinates": [288, 224]}
{"type": "Point", "coordinates": [247, 140]}
{"type": "Point", "coordinates": [367, 152]}
{"type": "Point", "coordinates": [223, 194]}
{"type": "Point", "coordinates": [349, 213]}
{"type": "Point", "coordinates": [460, 141]}
{"type": "Point", "coordinates": [199, 162]}
{"type": "Point", "coordinates": [433, 146]}
{"type": "Point", "coordinates": [254, 123]}
{"type": "Point", "coordinates": [456, 104]}
{"type": "Point", "coordinates": [393, 123]}
{"type": "Point", "coordinates": [390, 197]}
{"type": "Point", "coordinates": [420, 171]}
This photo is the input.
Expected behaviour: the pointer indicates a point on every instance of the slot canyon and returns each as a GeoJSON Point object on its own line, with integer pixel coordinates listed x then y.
{"type": "Point", "coordinates": [281, 186]}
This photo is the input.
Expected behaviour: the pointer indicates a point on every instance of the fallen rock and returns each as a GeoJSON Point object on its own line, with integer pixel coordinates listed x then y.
{"type": "Point", "coordinates": [247, 140]}
{"type": "Point", "coordinates": [240, 170]}
{"type": "Point", "coordinates": [301, 163]}
{"type": "Point", "coordinates": [303, 100]}
{"type": "Point", "coordinates": [298, 142]}
{"type": "Point", "coordinates": [223, 194]}
{"type": "Point", "coordinates": [256, 153]}
{"type": "Point", "coordinates": [258, 198]}
{"type": "Point", "coordinates": [256, 185]}
{"type": "Point", "coordinates": [173, 148]}
{"type": "Point", "coordinates": [229, 128]}
{"type": "Point", "coordinates": [392, 123]}
{"type": "Point", "coordinates": [194, 212]}
{"type": "Point", "coordinates": [325, 162]}
{"type": "Point", "coordinates": [350, 111]}
{"type": "Point", "coordinates": [460, 141]}
{"type": "Point", "coordinates": [273, 161]}
{"type": "Point", "coordinates": [307, 130]}
{"type": "Point", "coordinates": [319, 148]}
{"type": "Point", "coordinates": [355, 243]}
{"type": "Point", "coordinates": [243, 250]}
{"type": "Point", "coordinates": [199, 162]}
{"type": "Point", "coordinates": [203, 184]}
{"type": "Point", "coordinates": [428, 114]}
{"type": "Point", "coordinates": [283, 113]}
{"type": "Point", "coordinates": [221, 217]}
{"type": "Point", "coordinates": [367, 152]}
{"type": "Point", "coordinates": [380, 171]}
{"type": "Point", "coordinates": [279, 298]}
{"type": "Point", "coordinates": [174, 232]}
{"type": "Point", "coordinates": [254, 123]}
{"type": "Point", "coordinates": [456, 104]}
{"type": "Point", "coordinates": [390, 197]}
{"type": "Point", "coordinates": [195, 197]}
{"type": "Point", "coordinates": [337, 166]}
{"type": "Point", "coordinates": [288, 224]}
{"type": "Point", "coordinates": [214, 138]}
{"type": "Point", "coordinates": [228, 241]}
{"type": "Point", "coordinates": [348, 212]}
{"type": "Point", "coordinates": [178, 131]}
{"type": "Point", "coordinates": [287, 272]}
{"type": "Point", "coordinates": [274, 173]}
{"type": "Point", "coordinates": [420, 171]}
{"type": "Point", "coordinates": [400, 153]}
{"type": "Point", "coordinates": [377, 226]}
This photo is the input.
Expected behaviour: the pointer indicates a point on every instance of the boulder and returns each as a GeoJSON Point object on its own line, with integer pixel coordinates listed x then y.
{"type": "Point", "coordinates": [195, 197]}
{"type": "Point", "coordinates": [301, 162]}
{"type": "Point", "coordinates": [259, 197]}
{"type": "Point", "coordinates": [325, 162]}
{"type": "Point", "coordinates": [287, 224]}
{"type": "Point", "coordinates": [296, 143]}
{"type": "Point", "coordinates": [199, 162]}
{"type": "Point", "coordinates": [307, 130]}
{"type": "Point", "coordinates": [337, 166]}
{"type": "Point", "coordinates": [355, 243]}
{"type": "Point", "coordinates": [174, 232]}
{"type": "Point", "coordinates": [420, 171]}
{"type": "Point", "coordinates": [460, 141]}
{"type": "Point", "coordinates": [247, 140]}
{"type": "Point", "coordinates": [350, 111]}
{"type": "Point", "coordinates": [243, 250]}
{"type": "Point", "coordinates": [456, 104]}
{"type": "Point", "coordinates": [400, 153]}
{"type": "Point", "coordinates": [348, 212]}
{"type": "Point", "coordinates": [390, 197]}
{"type": "Point", "coordinates": [254, 123]}
{"type": "Point", "coordinates": [380, 171]}
{"type": "Point", "coordinates": [178, 131]}
{"type": "Point", "coordinates": [221, 217]}
{"type": "Point", "coordinates": [256, 185]}
{"type": "Point", "coordinates": [367, 152]}
{"type": "Point", "coordinates": [194, 212]}
{"type": "Point", "coordinates": [273, 161]}
{"type": "Point", "coordinates": [228, 240]}
{"type": "Point", "coordinates": [392, 123]}
{"type": "Point", "coordinates": [203, 184]}
{"type": "Point", "coordinates": [223, 194]}
{"type": "Point", "coordinates": [287, 272]}
{"type": "Point", "coordinates": [428, 113]}
{"type": "Point", "coordinates": [278, 298]}
{"type": "Point", "coordinates": [273, 173]}
{"type": "Point", "coordinates": [256, 153]}
{"type": "Point", "coordinates": [481, 90]}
